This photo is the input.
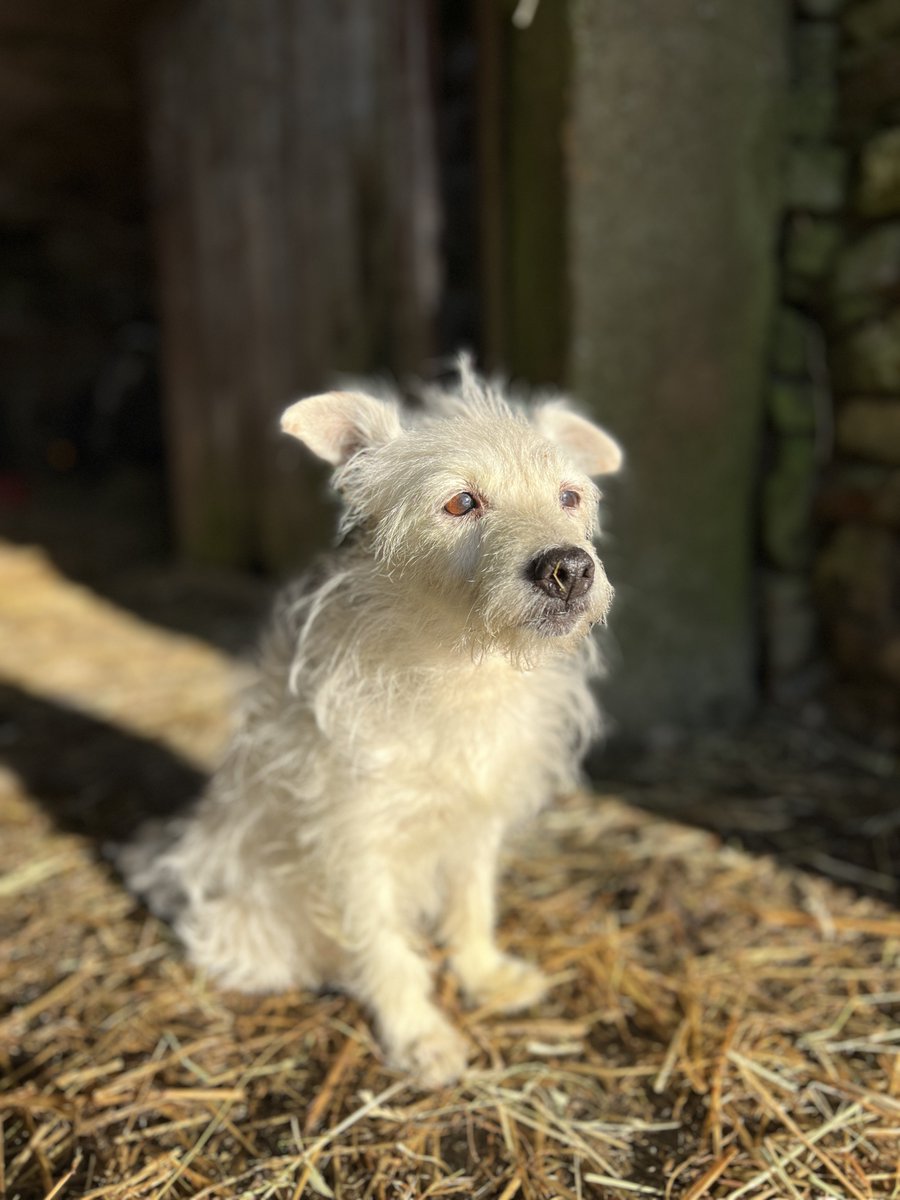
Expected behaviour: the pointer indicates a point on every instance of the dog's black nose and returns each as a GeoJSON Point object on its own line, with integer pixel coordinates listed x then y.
{"type": "Point", "coordinates": [565, 572]}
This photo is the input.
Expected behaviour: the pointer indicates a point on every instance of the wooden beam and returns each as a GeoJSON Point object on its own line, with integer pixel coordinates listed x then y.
{"type": "Point", "coordinates": [295, 202]}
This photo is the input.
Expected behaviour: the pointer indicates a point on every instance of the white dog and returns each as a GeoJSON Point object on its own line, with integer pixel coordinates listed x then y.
{"type": "Point", "coordinates": [424, 689]}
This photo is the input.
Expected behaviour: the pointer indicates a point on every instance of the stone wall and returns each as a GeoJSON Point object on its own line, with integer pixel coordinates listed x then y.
{"type": "Point", "coordinates": [831, 494]}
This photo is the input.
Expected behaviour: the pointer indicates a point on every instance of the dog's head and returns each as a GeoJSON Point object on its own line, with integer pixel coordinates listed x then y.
{"type": "Point", "coordinates": [483, 512]}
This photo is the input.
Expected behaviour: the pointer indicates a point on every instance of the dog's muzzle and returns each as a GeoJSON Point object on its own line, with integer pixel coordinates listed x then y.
{"type": "Point", "coordinates": [564, 573]}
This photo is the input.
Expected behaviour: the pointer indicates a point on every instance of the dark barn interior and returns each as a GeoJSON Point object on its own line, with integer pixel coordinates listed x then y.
{"type": "Point", "coordinates": [82, 425]}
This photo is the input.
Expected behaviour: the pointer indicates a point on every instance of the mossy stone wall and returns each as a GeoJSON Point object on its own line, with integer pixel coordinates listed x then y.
{"type": "Point", "coordinates": [853, 548]}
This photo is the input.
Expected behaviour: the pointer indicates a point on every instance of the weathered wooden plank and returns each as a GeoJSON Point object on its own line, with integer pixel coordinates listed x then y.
{"type": "Point", "coordinates": [294, 188]}
{"type": "Point", "coordinates": [491, 176]}
{"type": "Point", "coordinates": [523, 101]}
{"type": "Point", "coordinates": [537, 195]}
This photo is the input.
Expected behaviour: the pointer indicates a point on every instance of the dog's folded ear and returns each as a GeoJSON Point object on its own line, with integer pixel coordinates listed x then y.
{"type": "Point", "coordinates": [589, 447]}
{"type": "Point", "coordinates": [336, 425]}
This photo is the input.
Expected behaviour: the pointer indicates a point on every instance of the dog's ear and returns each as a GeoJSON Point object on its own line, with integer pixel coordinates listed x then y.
{"type": "Point", "coordinates": [589, 447]}
{"type": "Point", "coordinates": [337, 424]}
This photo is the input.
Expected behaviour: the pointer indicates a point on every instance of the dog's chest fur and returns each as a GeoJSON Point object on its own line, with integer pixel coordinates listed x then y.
{"type": "Point", "coordinates": [491, 739]}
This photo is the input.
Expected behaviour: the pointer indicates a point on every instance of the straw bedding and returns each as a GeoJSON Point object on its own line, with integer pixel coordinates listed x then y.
{"type": "Point", "coordinates": [720, 1025]}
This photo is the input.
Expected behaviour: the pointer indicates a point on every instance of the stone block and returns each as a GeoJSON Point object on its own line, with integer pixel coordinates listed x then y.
{"type": "Point", "coordinates": [869, 264]}
{"type": "Point", "coordinates": [790, 622]}
{"type": "Point", "coordinates": [868, 360]}
{"type": "Point", "coordinates": [854, 573]}
{"type": "Point", "coordinates": [869, 83]}
{"type": "Point", "coordinates": [878, 193]}
{"type": "Point", "coordinates": [871, 21]}
{"type": "Point", "coordinates": [820, 9]}
{"type": "Point", "coordinates": [889, 657]}
{"type": "Point", "coordinates": [870, 429]}
{"type": "Point", "coordinates": [792, 406]}
{"type": "Point", "coordinates": [813, 96]}
{"type": "Point", "coordinates": [866, 277]}
{"type": "Point", "coordinates": [787, 501]}
{"type": "Point", "coordinates": [797, 338]}
{"type": "Point", "coordinates": [816, 178]}
{"type": "Point", "coordinates": [809, 251]}
{"type": "Point", "coordinates": [812, 113]}
{"type": "Point", "coordinates": [858, 308]}
{"type": "Point", "coordinates": [852, 645]}
{"type": "Point", "coordinates": [861, 492]}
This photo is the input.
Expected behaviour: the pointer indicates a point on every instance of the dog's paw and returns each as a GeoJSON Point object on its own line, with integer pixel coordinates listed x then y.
{"type": "Point", "coordinates": [509, 985]}
{"type": "Point", "coordinates": [437, 1057]}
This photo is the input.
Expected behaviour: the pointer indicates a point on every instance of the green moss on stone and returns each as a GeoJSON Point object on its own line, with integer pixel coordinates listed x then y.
{"type": "Point", "coordinates": [792, 407]}
{"type": "Point", "coordinates": [788, 492]}
{"type": "Point", "coordinates": [816, 178]}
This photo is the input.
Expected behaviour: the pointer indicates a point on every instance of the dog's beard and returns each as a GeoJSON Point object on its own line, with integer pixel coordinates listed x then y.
{"type": "Point", "coordinates": [554, 621]}
{"type": "Point", "coordinates": [525, 632]}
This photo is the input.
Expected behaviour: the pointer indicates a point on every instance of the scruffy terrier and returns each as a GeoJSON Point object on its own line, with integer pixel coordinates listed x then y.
{"type": "Point", "coordinates": [423, 690]}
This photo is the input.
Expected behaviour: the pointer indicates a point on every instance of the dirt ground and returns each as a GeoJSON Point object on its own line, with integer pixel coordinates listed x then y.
{"type": "Point", "coordinates": [718, 917]}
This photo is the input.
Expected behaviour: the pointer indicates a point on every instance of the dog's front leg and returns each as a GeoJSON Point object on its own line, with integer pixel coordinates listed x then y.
{"type": "Point", "coordinates": [386, 973]}
{"type": "Point", "coordinates": [487, 975]}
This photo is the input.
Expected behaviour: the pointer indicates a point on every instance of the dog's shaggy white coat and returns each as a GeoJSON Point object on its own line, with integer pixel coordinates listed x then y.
{"type": "Point", "coordinates": [416, 695]}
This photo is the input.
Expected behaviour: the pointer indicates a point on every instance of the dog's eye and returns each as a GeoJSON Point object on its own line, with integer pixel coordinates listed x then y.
{"type": "Point", "coordinates": [461, 504]}
{"type": "Point", "coordinates": [569, 499]}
